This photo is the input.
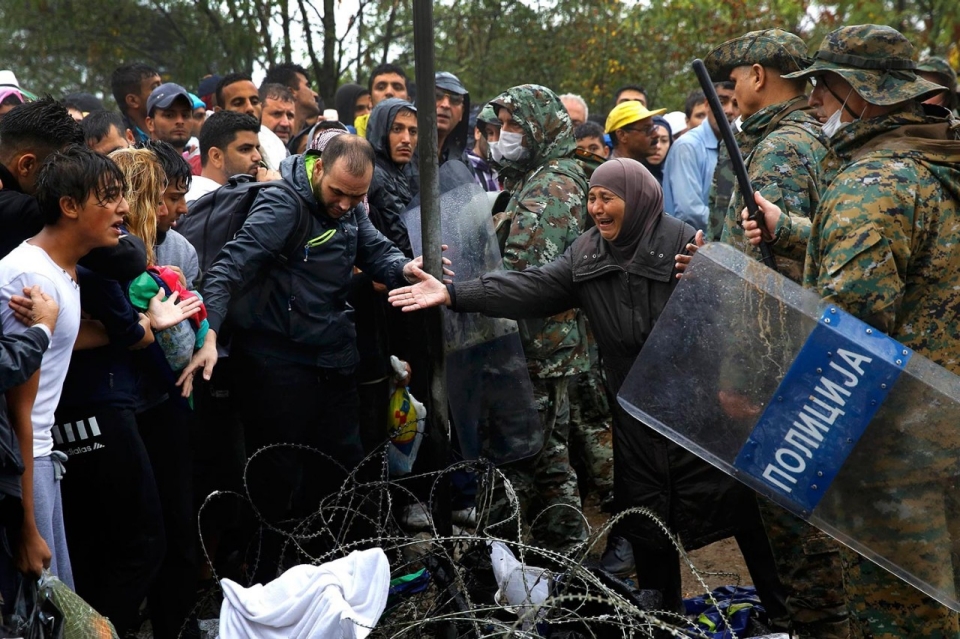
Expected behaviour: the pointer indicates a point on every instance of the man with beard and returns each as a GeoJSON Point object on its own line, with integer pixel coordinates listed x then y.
{"type": "Point", "coordinates": [236, 92]}
{"type": "Point", "coordinates": [228, 146]}
{"type": "Point", "coordinates": [293, 341]}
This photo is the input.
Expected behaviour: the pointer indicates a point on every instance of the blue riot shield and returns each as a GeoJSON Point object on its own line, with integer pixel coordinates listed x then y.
{"type": "Point", "coordinates": [488, 386]}
{"type": "Point", "coordinates": [813, 408]}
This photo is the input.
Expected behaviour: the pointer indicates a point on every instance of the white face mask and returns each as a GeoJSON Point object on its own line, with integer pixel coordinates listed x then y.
{"type": "Point", "coordinates": [833, 124]}
{"type": "Point", "coordinates": [511, 146]}
{"type": "Point", "coordinates": [495, 154]}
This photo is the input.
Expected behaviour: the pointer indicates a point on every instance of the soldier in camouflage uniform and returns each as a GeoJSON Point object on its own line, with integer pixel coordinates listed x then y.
{"type": "Point", "coordinates": [543, 217]}
{"type": "Point", "coordinates": [883, 246]}
{"type": "Point", "coordinates": [782, 146]}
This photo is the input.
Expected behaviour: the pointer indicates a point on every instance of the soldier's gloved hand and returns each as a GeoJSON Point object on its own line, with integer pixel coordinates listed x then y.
{"type": "Point", "coordinates": [684, 258]}
{"type": "Point", "coordinates": [771, 216]}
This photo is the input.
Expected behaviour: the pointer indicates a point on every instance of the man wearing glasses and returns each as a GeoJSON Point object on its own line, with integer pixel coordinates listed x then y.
{"type": "Point", "coordinates": [453, 101]}
{"type": "Point", "coordinates": [632, 130]}
{"type": "Point", "coordinates": [688, 170]}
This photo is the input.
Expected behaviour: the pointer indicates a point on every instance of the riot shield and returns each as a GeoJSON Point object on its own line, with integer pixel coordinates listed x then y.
{"type": "Point", "coordinates": [488, 386]}
{"type": "Point", "coordinates": [813, 408]}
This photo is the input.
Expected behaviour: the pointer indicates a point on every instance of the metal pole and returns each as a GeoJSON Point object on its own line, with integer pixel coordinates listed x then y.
{"type": "Point", "coordinates": [439, 424]}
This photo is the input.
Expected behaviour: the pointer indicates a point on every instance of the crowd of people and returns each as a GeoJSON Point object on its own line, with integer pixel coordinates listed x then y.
{"type": "Point", "coordinates": [141, 366]}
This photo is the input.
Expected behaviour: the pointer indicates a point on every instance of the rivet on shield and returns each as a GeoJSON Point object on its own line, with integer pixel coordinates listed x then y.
{"type": "Point", "coordinates": [819, 473]}
{"type": "Point", "coordinates": [904, 351]}
{"type": "Point", "coordinates": [833, 311]}
{"type": "Point", "coordinates": [869, 331]}
{"type": "Point", "coordinates": [826, 321]}
{"type": "Point", "coordinates": [814, 487]}
{"type": "Point", "coordinates": [883, 386]}
{"type": "Point", "coordinates": [899, 361]}
{"type": "Point", "coordinates": [780, 398]}
{"type": "Point", "coordinates": [819, 370]}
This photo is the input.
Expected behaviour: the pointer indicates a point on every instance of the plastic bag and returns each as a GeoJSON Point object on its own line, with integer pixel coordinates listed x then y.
{"type": "Point", "coordinates": [34, 616]}
{"type": "Point", "coordinates": [406, 420]}
{"type": "Point", "coordinates": [522, 589]}
{"type": "Point", "coordinates": [80, 620]}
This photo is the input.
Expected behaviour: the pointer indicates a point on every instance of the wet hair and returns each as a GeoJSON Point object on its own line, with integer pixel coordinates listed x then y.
{"type": "Point", "coordinates": [127, 79]}
{"type": "Point", "coordinates": [221, 128]}
{"type": "Point", "coordinates": [41, 127]}
{"type": "Point", "coordinates": [355, 154]}
{"type": "Point", "coordinates": [174, 166]}
{"type": "Point", "coordinates": [629, 87]}
{"type": "Point", "coordinates": [285, 74]}
{"type": "Point", "coordinates": [387, 68]}
{"type": "Point", "coordinates": [146, 182]}
{"type": "Point", "coordinates": [77, 172]}
{"type": "Point", "coordinates": [275, 91]}
{"type": "Point", "coordinates": [588, 130]}
{"type": "Point", "coordinates": [227, 80]}
{"type": "Point", "coordinates": [694, 99]}
{"type": "Point", "coordinates": [96, 126]}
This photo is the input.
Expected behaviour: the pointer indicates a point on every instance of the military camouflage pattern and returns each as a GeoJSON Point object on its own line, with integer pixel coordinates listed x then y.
{"type": "Point", "coordinates": [809, 566]}
{"type": "Point", "coordinates": [544, 216]}
{"type": "Point", "coordinates": [940, 67]}
{"type": "Point", "coordinates": [591, 438]}
{"type": "Point", "coordinates": [774, 48]}
{"type": "Point", "coordinates": [724, 184]}
{"type": "Point", "coordinates": [883, 246]}
{"type": "Point", "coordinates": [782, 146]}
{"type": "Point", "coordinates": [876, 60]}
{"type": "Point", "coordinates": [546, 486]}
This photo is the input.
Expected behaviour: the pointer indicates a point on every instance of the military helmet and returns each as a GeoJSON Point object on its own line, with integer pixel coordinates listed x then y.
{"type": "Point", "coordinates": [770, 48]}
{"type": "Point", "coordinates": [875, 59]}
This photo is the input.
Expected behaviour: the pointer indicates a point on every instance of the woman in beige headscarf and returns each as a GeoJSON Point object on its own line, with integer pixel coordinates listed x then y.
{"type": "Point", "coordinates": [621, 273]}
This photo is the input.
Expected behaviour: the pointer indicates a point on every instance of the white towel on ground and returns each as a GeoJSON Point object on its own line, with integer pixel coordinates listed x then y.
{"type": "Point", "coordinates": [339, 599]}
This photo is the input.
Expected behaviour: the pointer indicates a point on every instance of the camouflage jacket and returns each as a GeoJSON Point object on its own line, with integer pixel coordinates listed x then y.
{"type": "Point", "coordinates": [782, 146]}
{"type": "Point", "coordinates": [544, 216]}
{"type": "Point", "coordinates": [883, 245]}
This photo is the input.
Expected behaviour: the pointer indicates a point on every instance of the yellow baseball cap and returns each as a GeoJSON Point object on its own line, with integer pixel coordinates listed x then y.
{"type": "Point", "coordinates": [628, 112]}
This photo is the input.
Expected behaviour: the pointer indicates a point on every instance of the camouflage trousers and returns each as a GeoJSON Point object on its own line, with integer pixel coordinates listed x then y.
{"type": "Point", "coordinates": [882, 606]}
{"type": "Point", "coordinates": [544, 487]}
{"type": "Point", "coordinates": [591, 440]}
{"type": "Point", "coordinates": [810, 569]}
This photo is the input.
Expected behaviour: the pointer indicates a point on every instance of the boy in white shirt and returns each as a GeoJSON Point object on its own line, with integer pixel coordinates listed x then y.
{"type": "Point", "coordinates": [80, 194]}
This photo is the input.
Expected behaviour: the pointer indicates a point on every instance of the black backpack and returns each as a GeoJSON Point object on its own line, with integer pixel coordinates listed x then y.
{"type": "Point", "coordinates": [215, 218]}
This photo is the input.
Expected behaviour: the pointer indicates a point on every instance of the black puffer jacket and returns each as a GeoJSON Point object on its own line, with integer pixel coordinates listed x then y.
{"type": "Point", "coordinates": [389, 193]}
{"type": "Point", "coordinates": [695, 500]}
{"type": "Point", "coordinates": [304, 316]}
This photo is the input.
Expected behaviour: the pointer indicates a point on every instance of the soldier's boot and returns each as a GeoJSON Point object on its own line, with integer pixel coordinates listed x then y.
{"type": "Point", "coordinates": [618, 558]}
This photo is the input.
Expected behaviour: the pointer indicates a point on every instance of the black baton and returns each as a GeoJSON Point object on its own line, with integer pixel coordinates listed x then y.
{"type": "Point", "coordinates": [766, 254]}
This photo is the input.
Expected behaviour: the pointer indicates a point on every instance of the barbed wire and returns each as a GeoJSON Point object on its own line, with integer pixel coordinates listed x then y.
{"type": "Point", "coordinates": [461, 598]}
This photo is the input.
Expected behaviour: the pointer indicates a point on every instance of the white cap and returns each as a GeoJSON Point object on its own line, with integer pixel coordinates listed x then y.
{"type": "Point", "coordinates": [7, 78]}
{"type": "Point", "coordinates": [677, 121]}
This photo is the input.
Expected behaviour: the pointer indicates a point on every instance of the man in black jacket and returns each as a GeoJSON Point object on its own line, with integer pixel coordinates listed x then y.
{"type": "Point", "coordinates": [392, 130]}
{"type": "Point", "coordinates": [294, 346]}
{"type": "Point", "coordinates": [28, 135]}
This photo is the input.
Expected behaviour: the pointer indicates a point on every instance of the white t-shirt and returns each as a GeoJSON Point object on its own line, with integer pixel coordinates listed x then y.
{"type": "Point", "coordinates": [200, 186]}
{"type": "Point", "coordinates": [23, 267]}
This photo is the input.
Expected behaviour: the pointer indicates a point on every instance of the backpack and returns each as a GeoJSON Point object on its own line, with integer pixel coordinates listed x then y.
{"type": "Point", "coordinates": [215, 218]}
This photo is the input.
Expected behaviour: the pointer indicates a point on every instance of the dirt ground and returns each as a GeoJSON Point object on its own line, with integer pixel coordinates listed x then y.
{"type": "Point", "coordinates": [719, 564]}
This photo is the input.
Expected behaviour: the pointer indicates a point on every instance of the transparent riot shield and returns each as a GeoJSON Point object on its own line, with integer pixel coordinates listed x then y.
{"type": "Point", "coordinates": [813, 408]}
{"type": "Point", "coordinates": [488, 386]}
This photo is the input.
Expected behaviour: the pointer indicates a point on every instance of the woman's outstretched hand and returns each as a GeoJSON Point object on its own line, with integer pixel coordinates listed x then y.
{"type": "Point", "coordinates": [427, 292]}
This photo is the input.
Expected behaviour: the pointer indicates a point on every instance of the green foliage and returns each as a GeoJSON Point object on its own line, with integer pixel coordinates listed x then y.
{"type": "Point", "coordinates": [590, 47]}
{"type": "Point", "coordinates": [59, 46]}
